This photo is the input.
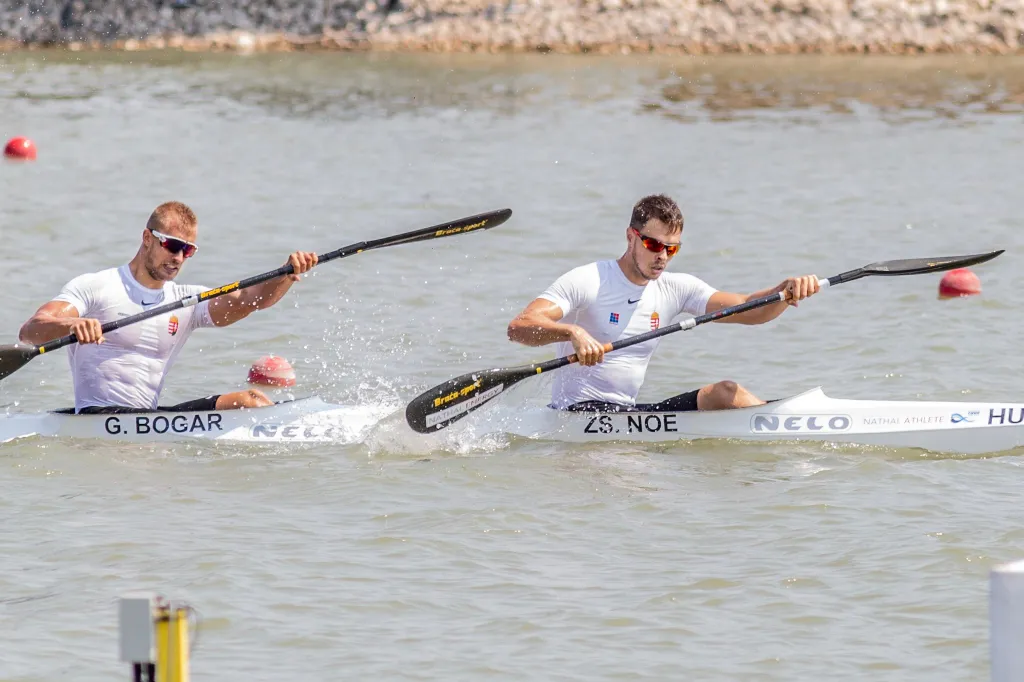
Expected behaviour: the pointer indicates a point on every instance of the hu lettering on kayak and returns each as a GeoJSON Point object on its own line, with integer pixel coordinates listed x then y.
{"type": "Point", "coordinates": [1005, 415]}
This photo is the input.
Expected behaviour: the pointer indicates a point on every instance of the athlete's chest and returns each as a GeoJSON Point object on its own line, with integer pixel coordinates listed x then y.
{"type": "Point", "coordinates": [156, 336]}
{"type": "Point", "coordinates": [615, 314]}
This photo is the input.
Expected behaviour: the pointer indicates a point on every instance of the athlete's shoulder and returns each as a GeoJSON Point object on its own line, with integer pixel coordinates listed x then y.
{"type": "Point", "coordinates": [588, 270]}
{"type": "Point", "coordinates": [91, 280]}
{"type": "Point", "coordinates": [574, 289]}
{"type": "Point", "coordinates": [689, 292]}
{"type": "Point", "coordinates": [582, 276]}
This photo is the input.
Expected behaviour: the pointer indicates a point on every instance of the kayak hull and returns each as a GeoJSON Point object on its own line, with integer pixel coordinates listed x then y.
{"type": "Point", "coordinates": [308, 420]}
{"type": "Point", "coordinates": [949, 427]}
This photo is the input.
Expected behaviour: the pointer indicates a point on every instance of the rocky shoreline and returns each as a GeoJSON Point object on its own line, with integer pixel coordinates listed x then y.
{"type": "Point", "coordinates": [566, 26]}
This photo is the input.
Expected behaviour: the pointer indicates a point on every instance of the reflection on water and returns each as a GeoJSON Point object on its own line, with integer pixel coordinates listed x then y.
{"type": "Point", "coordinates": [324, 85]}
{"type": "Point", "coordinates": [342, 86]}
{"type": "Point", "coordinates": [896, 88]}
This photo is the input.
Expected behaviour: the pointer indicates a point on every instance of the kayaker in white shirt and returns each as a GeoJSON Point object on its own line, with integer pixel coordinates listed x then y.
{"type": "Point", "coordinates": [608, 300]}
{"type": "Point", "coordinates": [125, 370]}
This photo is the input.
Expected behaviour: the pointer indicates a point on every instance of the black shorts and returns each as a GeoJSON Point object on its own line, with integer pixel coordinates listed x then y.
{"type": "Point", "coordinates": [684, 402]}
{"type": "Point", "coordinates": [207, 404]}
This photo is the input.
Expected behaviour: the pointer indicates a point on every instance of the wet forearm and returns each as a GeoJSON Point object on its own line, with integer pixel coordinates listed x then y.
{"type": "Point", "coordinates": [267, 294]}
{"type": "Point", "coordinates": [43, 327]}
{"type": "Point", "coordinates": [538, 331]}
{"type": "Point", "coordinates": [765, 313]}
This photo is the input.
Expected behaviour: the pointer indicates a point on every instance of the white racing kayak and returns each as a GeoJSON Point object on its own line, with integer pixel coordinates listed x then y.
{"type": "Point", "coordinates": [942, 427]}
{"type": "Point", "coordinates": [307, 420]}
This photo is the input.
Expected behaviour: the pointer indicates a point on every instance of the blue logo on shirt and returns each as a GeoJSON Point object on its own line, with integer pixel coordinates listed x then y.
{"type": "Point", "coordinates": [632, 302]}
{"type": "Point", "coordinates": [614, 319]}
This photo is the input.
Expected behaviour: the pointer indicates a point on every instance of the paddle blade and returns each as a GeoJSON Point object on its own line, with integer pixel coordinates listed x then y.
{"type": "Point", "coordinates": [449, 402]}
{"type": "Point", "coordinates": [14, 357]}
{"type": "Point", "coordinates": [914, 266]}
{"type": "Point", "coordinates": [920, 266]}
{"type": "Point", "coordinates": [482, 221]}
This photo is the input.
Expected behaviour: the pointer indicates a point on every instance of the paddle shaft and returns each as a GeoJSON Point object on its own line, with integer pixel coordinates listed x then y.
{"type": "Point", "coordinates": [483, 220]}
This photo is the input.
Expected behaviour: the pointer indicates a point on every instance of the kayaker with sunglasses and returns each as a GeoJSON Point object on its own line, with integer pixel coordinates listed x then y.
{"type": "Point", "coordinates": [608, 300]}
{"type": "Point", "coordinates": [125, 371]}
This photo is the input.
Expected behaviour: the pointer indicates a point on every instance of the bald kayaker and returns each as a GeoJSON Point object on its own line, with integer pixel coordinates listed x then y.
{"type": "Point", "coordinates": [125, 371]}
{"type": "Point", "coordinates": [610, 300]}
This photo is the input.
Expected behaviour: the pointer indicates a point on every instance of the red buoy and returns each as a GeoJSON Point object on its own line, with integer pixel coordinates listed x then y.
{"type": "Point", "coordinates": [958, 283]}
{"type": "Point", "coordinates": [272, 371]}
{"type": "Point", "coordinates": [20, 148]}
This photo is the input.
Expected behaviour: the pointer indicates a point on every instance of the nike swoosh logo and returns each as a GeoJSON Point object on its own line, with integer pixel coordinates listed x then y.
{"type": "Point", "coordinates": [150, 303]}
{"type": "Point", "coordinates": [632, 302]}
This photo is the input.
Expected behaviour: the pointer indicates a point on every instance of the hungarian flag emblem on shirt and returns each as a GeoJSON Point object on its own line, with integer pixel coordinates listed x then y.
{"type": "Point", "coordinates": [655, 321]}
{"type": "Point", "coordinates": [172, 326]}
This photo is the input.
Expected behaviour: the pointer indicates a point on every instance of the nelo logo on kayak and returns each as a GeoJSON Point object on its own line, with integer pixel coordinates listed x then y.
{"type": "Point", "coordinates": [792, 423]}
{"type": "Point", "coordinates": [201, 422]}
{"type": "Point", "coordinates": [295, 432]}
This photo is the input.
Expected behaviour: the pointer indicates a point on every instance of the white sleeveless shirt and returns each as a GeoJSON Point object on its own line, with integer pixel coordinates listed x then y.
{"type": "Point", "coordinates": [129, 368]}
{"type": "Point", "coordinates": [599, 298]}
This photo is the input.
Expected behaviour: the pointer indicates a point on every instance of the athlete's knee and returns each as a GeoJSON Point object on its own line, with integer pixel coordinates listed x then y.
{"type": "Point", "coordinates": [724, 395]}
{"type": "Point", "coordinates": [727, 388]}
{"type": "Point", "coordinates": [248, 398]}
{"type": "Point", "coordinates": [256, 398]}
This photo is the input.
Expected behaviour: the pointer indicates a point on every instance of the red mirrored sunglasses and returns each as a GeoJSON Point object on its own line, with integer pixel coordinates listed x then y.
{"type": "Point", "coordinates": [654, 246]}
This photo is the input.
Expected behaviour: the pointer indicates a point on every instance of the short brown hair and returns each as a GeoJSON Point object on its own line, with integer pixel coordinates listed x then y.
{"type": "Point", "coordinates": [657, 206]}
{"type": "Point", "coordinates": [171, 211]}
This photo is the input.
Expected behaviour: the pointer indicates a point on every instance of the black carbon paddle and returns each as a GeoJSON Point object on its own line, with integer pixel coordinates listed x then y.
{"type": "Point", "coordinates": [446, 403]}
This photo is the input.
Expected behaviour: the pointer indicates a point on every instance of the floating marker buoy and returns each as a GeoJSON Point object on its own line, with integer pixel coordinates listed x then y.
{"type": "Point", "coordinates": [958, 283]}
{"type": "Point", "coordinates": [272, 371]}
{"type": "Point", "coordinates": [20, 148]}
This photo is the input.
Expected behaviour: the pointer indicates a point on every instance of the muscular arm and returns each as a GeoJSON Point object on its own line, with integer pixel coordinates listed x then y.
{"type": "Point", "coordinates": [725, 299]}
{"type": "Point", "coordinates": [796, 288]}
{"type": "Point", "coordinates": [538, 325]}
{"type": "Point", "coordinates": [238, 305]}
{"type": "Point", "coordinates": [56, 319]}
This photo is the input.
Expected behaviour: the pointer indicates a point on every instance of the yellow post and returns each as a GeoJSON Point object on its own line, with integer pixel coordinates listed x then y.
{"type": "Point", "coordinates": [171, 643]}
